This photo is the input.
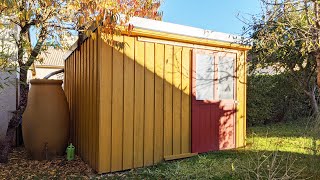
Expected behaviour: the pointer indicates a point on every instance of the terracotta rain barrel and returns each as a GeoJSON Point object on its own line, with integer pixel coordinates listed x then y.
{"type": "Point", "coordinates": [45, 123]}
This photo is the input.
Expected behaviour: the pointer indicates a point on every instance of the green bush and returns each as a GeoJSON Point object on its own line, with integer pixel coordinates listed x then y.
{"type": "Point", "coordinates": [274, 98]}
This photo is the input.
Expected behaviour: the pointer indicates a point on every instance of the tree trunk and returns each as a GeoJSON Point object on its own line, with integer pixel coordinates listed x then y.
{"type": "Point", "coordinates": [313, 102]}
{"type": "Point", "coordinates": [6, 144]}
{"type": "Point", "coordinates": [318, 69]}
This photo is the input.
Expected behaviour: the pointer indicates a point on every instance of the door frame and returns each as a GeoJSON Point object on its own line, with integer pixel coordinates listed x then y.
{"type": "Point", "coordinates": [216, 96]}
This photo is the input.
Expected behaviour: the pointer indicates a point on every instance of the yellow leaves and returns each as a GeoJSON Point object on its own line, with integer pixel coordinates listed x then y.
{"type": "Point", "coordinates": [81, 21]}
{"type": "Point", "coordinates": [232, 167]}
{"type": "Point", "coordinates": [93, 36]}
{"type": "Point", "coordinates": [88, 33]}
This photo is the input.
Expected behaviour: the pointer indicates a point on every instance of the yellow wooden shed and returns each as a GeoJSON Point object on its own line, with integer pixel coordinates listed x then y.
{"type": "Point", "coordinates": [172, 92]}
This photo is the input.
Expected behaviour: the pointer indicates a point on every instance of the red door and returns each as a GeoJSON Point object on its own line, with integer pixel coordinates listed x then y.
{"type": "Point", "coordinates": [213, 100]}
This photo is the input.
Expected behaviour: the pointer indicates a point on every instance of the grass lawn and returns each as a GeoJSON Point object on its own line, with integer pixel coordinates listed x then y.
{"type": "Point", "coordinates": [279, 150]}
{"type": "Point", "coordinates": [272, 149]}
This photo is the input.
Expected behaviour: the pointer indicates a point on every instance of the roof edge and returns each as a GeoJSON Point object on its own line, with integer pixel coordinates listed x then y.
{"type": "Point", "coordinates": [177, 29]}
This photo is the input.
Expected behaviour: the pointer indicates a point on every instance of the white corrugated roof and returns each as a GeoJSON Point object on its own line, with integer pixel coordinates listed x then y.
{"type": "Point", "coordinates": [172, 28]}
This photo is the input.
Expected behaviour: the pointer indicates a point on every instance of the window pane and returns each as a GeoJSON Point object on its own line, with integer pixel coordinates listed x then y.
{"type": "Point", "coordinates": [226, 78]}
{"type": "Point", "coordinates": [204, 77]}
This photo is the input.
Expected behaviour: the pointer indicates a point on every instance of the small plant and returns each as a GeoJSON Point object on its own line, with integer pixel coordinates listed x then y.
{"type": "Point", "coordinates": [268, 166]}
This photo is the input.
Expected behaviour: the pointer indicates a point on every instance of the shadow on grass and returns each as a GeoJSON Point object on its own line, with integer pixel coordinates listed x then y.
{"type": "Point", "coordinates": [238, 164]}
{"type": "Point", "coordinates": [282, 152]}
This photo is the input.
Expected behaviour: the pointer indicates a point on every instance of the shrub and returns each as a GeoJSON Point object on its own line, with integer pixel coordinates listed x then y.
{"type": "Point", "coordinates": [274, 98]}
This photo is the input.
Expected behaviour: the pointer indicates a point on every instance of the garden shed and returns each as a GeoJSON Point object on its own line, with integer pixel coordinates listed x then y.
{"type": "Point", "coordinates": [173, 91]}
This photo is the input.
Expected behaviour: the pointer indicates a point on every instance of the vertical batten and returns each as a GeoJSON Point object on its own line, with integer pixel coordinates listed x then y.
{"type": "Point", "coordinates": [96, 97]}
{"type": "Point", "coordinates": [168, 100]}
{"type": "Point", "coordinates": [240, 133]}
{"type": "Point", "coordinates": [185, 101]}
{"type": "Point", "coordinates": [149, 104]}
{"type": "Point", "coordinates": [128, 102]}
{"type": "Point", "coordinates": [72, 104]}
{"type": "Point", "coordinates": [245, 100]}
{"type": "Point", "coordinates": [76, 117]}
{"type": "Point", "coordinates": [85, 99]}
{"type": "Point", "coordinates": [81, 133]}
{"type": "Point", "coordinates": [117, 108]}
{"type": "Point", "coordinates": [90, 122]}
{"type": "Point", "coordinates": [91, 119]}
{"type": "Point", "coordinates": [138, 104]}
{"type": "Point", "coordinates": [158, 126]}
{"type": "Point", "coordinates": [105, 103]}
{"type": "Point", "coordinates": [176, 96]}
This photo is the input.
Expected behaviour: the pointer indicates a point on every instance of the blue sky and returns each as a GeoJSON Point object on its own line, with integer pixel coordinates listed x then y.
{"type": "Point", "coordinates": [217, 15]}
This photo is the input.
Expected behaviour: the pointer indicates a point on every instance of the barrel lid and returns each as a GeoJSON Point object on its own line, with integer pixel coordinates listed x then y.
{"type": "Point", "coordinates": [46, 81]}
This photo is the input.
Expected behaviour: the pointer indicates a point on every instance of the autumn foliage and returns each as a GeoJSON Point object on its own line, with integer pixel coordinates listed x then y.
{"type": "Point", "coordinates": [34, 25]}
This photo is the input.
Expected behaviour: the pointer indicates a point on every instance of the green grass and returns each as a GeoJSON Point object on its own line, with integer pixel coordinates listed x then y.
{"type": "Point", "coordinates": [278, 148]}
{"type": "Point", "coordinates": [280, 151]}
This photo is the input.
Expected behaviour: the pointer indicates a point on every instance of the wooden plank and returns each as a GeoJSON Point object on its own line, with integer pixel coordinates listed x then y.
{"type": "Point", "coordinates": [185, 102]}
{"type": "Point", "coordinates": [117, 108]}
{"type": "Point", "coordinates": [85, 102]}
{"type": "Point", "coordinates": [245, 100]}
{"type": "Point", "coordinates": [105, 97]}
{"type": "Point", "coordinates": [138, 104]}
{"type": "Point", "coordinates": [75, 105]}
{"type": "Point", "coordinates": [90, 121]}
{"type": "Point", "coordinates": [96, 104]}
{"type": "Point", "coordinates": [71, 96]}
{"type": "Point", "coordinates": [128, 102]}
{"type": "Point", "coordinates": [176, 95]}
{"type": "Point", "coordinates": [240, 98]}
{"type": "Point", "coordinates": [168, 100]}
{"type": "Point", "coordinates": [179, 156]}
{"type": "Point", "coordinates": [159, 75]}
{"type": "Point", "coordinates": [149, 105]}
{"type": "Point", "coordinates": [67, 85]}
{"type": "Point", "coordinates": [81, 133]}
{"type": "Point", "coordinates": [91, 118]}
{"type": "Point", "coordinates": [83, 97]}
{"type": "Point", "coordinates": [76, 102]}
{"type": "Point", "coordinates": [66, 80]}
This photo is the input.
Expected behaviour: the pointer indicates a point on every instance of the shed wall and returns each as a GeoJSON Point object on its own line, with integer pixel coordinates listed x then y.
{"type": "Point", "coordinates": [132, 107]}
{"type": "Point", "coordinates": [82, 89]}
{"type": "Point", "coordinates": [144, 103]}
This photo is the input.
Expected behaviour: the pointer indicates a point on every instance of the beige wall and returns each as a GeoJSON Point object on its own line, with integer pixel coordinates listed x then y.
{"type": "Point", "coordinates": [7, 101]}
{"type": "Point", "coordinates": [42, 72]}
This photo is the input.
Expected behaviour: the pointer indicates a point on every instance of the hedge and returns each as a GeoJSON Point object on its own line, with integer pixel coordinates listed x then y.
{"type": "Point", "coordinates": [273, 98]}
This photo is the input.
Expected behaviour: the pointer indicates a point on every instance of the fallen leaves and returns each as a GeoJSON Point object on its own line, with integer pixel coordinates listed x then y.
{"type": "Point", "coordinates": [20, 166]}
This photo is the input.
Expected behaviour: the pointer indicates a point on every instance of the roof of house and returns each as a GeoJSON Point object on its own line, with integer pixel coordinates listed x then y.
{"type": "Point", "coordinates": [52, 57]}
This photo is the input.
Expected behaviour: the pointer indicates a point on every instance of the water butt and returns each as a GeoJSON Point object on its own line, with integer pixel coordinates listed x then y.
{"type": "Point", "coordinates": [45, 122]}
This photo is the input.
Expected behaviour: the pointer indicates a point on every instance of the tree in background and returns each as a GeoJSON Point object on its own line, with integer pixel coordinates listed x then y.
{"type": "Point", "coordinates": [287, 38]}
{"type": "Point", "coordinates": [54, 21]}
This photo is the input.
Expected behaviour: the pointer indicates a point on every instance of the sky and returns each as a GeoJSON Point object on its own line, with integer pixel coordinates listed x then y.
{"type": "Point", "coordinates": [216, 15]}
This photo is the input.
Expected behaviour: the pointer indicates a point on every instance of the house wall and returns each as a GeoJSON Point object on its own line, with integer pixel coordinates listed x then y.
{"type": "Point", "coordinates": [131, 107]}
{"type": "Point", "coordinates": [7, 100]}
{"type": "Point", "coordinates": [41, 72]}
{"type": "Point", "coordinates": [8, 92]}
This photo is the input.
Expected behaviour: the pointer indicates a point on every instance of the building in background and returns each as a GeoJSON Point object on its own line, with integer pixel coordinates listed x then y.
{"type": "Point", "coordinates": [52, 60]}
{"type": "Point", "coordinates": [8, 77]}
